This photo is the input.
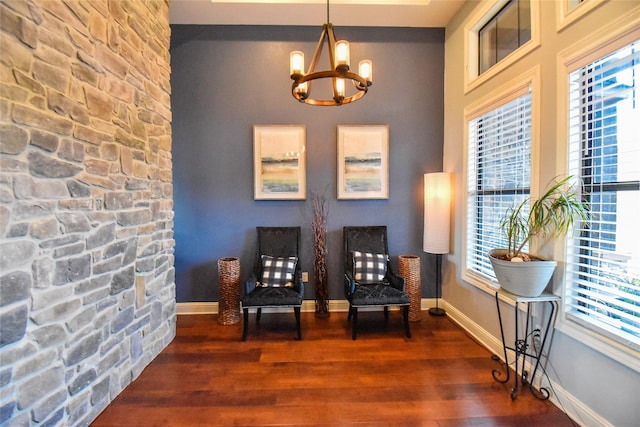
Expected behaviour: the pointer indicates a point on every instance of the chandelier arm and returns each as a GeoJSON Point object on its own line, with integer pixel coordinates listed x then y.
{"type": "Point", "coordinates": [316, 57]}
{"type": "Point", "coordinates": [332, 61]}
{"type": "Point", "coordinates": [359, 82]}
{"type": "Point", "coordinates": [332, 46]}
{"type": "Point", "coordinates": [318, 52]}
{"type": "Point", "coordinates": [329, 103]}
{"type": "Point", "coordinates": [363, 83]}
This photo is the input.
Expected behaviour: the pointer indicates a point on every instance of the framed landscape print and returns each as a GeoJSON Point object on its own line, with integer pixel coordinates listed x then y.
{"type": "Point", "coordinates": [363, 162]}
{"type": "Point", "coordinates": [279, 162]}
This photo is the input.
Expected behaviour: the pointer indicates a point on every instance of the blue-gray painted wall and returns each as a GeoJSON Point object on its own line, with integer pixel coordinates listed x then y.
{"type": "Point", "coordinates": [225, 79]}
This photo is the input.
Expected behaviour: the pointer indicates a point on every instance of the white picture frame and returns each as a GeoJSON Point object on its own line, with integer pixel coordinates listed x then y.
{"type": "Point", "coordinates": [279, 162]}
{"type": "Point", "coordinates": [363, 161]}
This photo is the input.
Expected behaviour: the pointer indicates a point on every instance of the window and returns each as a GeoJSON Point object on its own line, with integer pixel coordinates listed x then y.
{"type": "Point", "coordinates": [498, 173]}
{"type": "Point", "coordinates": [603, 262]}
{"type": "Point", "coordinates": [505, 32]}
{"type": "Point", "coordinates": [497, 34]}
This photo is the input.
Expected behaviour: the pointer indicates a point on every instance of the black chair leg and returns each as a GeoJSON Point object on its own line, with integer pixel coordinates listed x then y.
{"type": "Point", "coordinates": [258, 314]}
{"type": "Point", "coordinates": [245, 327]}
{"type": "Point", "coordinates": [386, 313]}
{"type": "Point", "coordinates": [350, 313]}
{"type": "Point", "coordinates": [355, 323]}
{"type": "Point", "coordinates": [405, 311]}
{"type": "Point", "coordinates": [296, 311]}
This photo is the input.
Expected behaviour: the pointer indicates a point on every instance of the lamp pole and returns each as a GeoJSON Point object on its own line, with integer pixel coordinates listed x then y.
{"type": "Point", "coordinates": [437, 311]}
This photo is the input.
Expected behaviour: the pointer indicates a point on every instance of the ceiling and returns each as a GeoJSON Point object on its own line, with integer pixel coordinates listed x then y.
{"type": "Point", "coordinates": [358, 13]}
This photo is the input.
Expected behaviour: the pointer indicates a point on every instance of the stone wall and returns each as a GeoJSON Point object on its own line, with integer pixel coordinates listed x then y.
{"type": "Point", "coordinates": [86, 213]}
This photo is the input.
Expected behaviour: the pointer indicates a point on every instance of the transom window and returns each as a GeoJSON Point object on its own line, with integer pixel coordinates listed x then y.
{"type": "Point", "coordinates": [505, 32]}
{"type": "Point", "coordinates": [510, 30]}
{"type": "Point", "coordinates": [603, 261]}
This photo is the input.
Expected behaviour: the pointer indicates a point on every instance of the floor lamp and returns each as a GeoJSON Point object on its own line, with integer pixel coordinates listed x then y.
{"type": "Point", "coordinates": [437, 211]}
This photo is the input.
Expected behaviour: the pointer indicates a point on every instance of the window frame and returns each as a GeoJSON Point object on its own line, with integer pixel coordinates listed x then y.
{"type": "Point", "coordinates": [566, 15]}
{"type": "Point", "coordinates": [483, 13]}
{"type": "Point", "coordinates": [499, 97]}
{"type": "Point", "coordinates": [618, 34]}
{"type": "Point", "coordinates": [511, 9]}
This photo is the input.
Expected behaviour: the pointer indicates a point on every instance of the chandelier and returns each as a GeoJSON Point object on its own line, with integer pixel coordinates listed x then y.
{"type": "Point", "coordinates": [339, 72]}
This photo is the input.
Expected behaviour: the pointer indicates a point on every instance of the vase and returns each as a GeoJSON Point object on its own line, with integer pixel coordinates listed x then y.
{"type": "Point", "coordinates": [229, 290]}
{"type": "Point", "coordinates": [409, 268]}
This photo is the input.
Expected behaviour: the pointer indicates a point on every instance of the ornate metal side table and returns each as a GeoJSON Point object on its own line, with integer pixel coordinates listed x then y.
{"type": "Point", "coordinates": [526, 345]}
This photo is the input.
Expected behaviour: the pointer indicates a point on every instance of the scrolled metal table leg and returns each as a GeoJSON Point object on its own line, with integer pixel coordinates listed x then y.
{"type": "Point", "coordinates": [543, 393]}
{"type": "Point", "coordinates": [495, 373]}
{"type": "Point", "coordinates": [518, 350]}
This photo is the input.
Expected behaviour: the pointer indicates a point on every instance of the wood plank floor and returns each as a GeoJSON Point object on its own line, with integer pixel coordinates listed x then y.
{"type": "Point", "coordinates": [208, 377]}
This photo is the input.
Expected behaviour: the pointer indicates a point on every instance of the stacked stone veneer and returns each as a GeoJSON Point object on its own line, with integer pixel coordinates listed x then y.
{"type": "Point", "coordinates": [86, 218]}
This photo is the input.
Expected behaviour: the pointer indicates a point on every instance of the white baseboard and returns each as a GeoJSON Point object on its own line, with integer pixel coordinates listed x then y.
{"type": "Point", "coordinates": [184, 308]}
{"type": "Point", "coordinates": [187, 308]}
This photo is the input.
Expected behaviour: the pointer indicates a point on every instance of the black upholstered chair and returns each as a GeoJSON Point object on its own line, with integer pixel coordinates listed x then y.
{"type": "Point", "coordinates": [272, 284]}
{"type": "Point", "coordinates": [369, 279]}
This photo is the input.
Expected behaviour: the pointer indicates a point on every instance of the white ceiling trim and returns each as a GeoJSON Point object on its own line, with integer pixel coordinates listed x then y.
{"type": "Point", "coordinates": [359, 13]}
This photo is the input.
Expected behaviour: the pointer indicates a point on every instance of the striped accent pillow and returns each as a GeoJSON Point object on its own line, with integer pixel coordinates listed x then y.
{"type": "Point", "coordinates": [368, 267]}
{"type": "Point", "coordinates": [278, 271]}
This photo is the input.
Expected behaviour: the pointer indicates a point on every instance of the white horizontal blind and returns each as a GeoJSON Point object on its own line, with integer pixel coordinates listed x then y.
{"type": "Point", "coordinates": [499, 176]}
{"type": "Point", "coordinates": [603, 262]}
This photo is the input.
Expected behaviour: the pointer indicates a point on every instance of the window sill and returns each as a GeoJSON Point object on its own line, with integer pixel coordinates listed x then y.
{"type": "Point", "coordinates": [483, 285]}
{"type": "Point", "coordinates": [505, 63]}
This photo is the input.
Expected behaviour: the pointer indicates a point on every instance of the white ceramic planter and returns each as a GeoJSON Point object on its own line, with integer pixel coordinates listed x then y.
{"type": "Point", "coordinates": [527, 279]}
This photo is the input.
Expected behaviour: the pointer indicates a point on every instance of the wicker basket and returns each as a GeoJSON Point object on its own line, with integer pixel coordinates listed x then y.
{"type": "Point", "coordinates": [409, 266]}
{"type": "Point", "coordinates": [229, 281]}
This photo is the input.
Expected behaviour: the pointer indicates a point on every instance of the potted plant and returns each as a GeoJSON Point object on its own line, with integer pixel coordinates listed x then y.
{"type": "Point", "coordinates": [552, 215]}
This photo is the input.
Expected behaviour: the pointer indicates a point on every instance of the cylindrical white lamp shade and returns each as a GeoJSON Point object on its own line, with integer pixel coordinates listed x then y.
{"type": "Point", "coordinates": [437, 206]}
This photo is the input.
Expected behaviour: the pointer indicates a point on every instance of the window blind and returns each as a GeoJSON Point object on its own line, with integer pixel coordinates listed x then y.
{"type": "Point", "coordinates": [603, 262]}
{"type": "Point", "coordinates": [499, 176]}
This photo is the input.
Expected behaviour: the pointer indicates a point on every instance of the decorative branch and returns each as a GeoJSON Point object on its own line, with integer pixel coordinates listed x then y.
{"type": "Point", "coordinates": [319, 230]}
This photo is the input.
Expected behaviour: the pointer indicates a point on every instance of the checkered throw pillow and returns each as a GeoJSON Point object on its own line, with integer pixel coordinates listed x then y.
{"type": "Point", "coordinates": [368, 267]}
{"type": "Point", "coordinates": [278, 271]}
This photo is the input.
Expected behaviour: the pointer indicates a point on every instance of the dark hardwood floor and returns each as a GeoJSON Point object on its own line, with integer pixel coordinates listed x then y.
{"type": "Point", "coordinates": [208, 377]}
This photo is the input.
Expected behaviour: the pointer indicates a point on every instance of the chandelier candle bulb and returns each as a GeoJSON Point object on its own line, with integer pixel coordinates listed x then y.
{"type": "Point", "coordinates": [302, 88]}
{"type": "Point", "coordinates": [342, 55]}
{"type": "Point", "coordinates": [365, 69]}
{"type": "Point", "coordinates": [340, 88]}
{"type": "Point", "coordinates": [296, 63]}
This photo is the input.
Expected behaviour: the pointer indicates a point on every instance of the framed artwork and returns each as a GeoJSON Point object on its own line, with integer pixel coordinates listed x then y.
{"type": "Point", "coordinates": [279, 162]}
{"type": "Point", "coordinates": [363, 162]}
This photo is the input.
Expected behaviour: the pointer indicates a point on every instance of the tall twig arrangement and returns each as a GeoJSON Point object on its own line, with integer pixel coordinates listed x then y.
{"type": "Point", "coordinates": [319, 229]}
